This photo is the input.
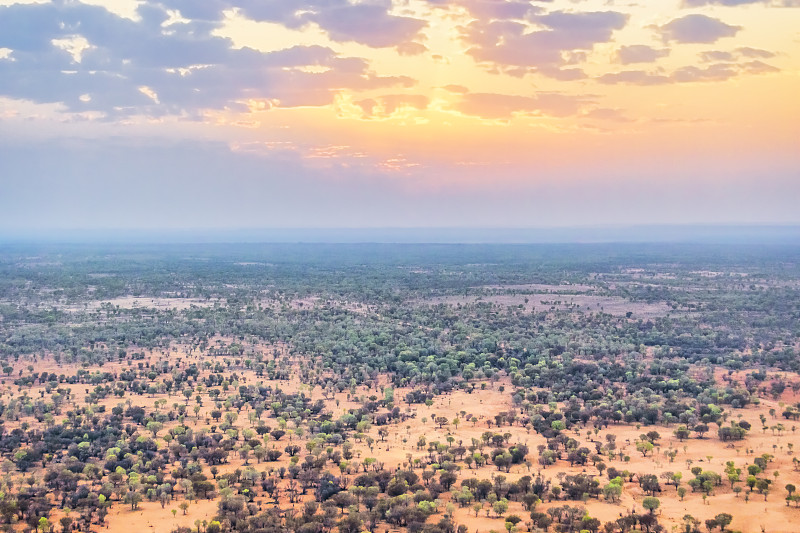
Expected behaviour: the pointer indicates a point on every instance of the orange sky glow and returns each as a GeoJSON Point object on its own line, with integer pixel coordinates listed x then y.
{"type": "Point", "coordinates": [416, 96]}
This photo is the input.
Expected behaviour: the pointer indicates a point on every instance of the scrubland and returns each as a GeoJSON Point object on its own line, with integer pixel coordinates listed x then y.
{"type": "Point", "coordinates": [435, 389]}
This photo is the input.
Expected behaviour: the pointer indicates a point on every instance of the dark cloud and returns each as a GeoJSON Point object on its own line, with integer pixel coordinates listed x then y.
{"type": "Point", "coordinates": [697, 28]}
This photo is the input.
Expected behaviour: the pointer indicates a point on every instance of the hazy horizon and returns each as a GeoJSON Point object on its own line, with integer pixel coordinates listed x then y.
{"type": "Point", "coordinates": [709, 234]}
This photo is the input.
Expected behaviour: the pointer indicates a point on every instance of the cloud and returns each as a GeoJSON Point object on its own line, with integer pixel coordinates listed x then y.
{"type": "Point", "coordinates": [755, 52]}
{"type": "Point", "coordinates": [491, 9]}
{"type": "Point", "coordinates": [716, 55]}
{"type": "Point", "coordinates": [368, 24]}
{"type": "Point", "coordinates": [208, 10]}
{"type": "Point", "coordinates": [697, 28]}
{"type": "Point", "coordinates": [511, 46]}
{"type": "Point", "coordinates": [715, 72]}
{"type": "Point", "coordinates": [688, 74]}
{"type": "Point", "coordinates": [563, 74]}
{"type": "Point", "coordinates": [456, 89]}
{"type": "Point", "coordinates": [93, 60]}
{"type": "Point", "coordinates": [411, 49]}
{"type": "Point", "coordinates": [609, 114]}
{"type": "Point", "coordinates": [696, 3]}
{"type": "Point", "coordinates": [640, 53]}
{"type": "Point", "coordinates": [736, 3]}
{"type": "Point", "coordinates": [759, 67]}
{"type": "Point", "coordinates": [505, 106]}
{"type": "Point", "coordinates": [634, 77]}
{"type": "Point", "coordinates": [388, 105]}
{"type": "Point", "coordinates": [735, 55]}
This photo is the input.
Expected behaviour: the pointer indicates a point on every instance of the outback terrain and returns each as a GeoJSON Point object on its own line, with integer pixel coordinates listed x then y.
{"type": "Point", "coordinates": [350, 388]}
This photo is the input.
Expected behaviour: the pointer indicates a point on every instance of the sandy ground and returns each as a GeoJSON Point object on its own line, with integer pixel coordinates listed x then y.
{"type": "Point", "coordinates": [709, 453]}
{"type": "Point", "coordinates": [541, 301]}
{"type": "Point", "coordinates": [151, 517]}
{"type": "Point", "coordinates": [179, 304]}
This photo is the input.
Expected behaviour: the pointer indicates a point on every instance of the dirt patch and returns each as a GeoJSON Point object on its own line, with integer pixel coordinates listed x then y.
{"type": "Point", "coordinates": [136, 302]}
{"type": "Point", "coordinates": [540, 301]}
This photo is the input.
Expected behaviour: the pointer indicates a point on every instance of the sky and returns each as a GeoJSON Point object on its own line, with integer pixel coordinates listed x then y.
{"type": "Point", "coordinates": [175, 114]}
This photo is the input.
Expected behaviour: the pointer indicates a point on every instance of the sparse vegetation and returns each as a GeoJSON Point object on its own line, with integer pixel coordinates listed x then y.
{"type": "Point", "coordinates": [351, 388]}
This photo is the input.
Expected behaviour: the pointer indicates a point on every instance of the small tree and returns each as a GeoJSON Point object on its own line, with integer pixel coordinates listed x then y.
{"type": "Point", "coordinates": [154, 427]}
{"type": "Point", "coordinates": [651, 503]}
{"type": "Point", "coordinates": [723, 520]}
{"type": "Point", "coordinates": [644, 446]}
{"type": "Point", "coordinates": [500, 507]}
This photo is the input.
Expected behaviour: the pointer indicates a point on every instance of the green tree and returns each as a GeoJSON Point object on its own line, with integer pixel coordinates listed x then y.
{"type": "Point", "coordinates": [651, 503]}
{"type": "Point", "coordinates": [500, 507]}
{"type": "Point", "coordinates": [644, 447]}
{"type": "Point", "coordinates": [154, 427]}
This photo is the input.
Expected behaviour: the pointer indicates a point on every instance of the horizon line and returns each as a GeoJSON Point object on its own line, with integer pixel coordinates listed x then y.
{"type": "Point", "coordinates": [705, 233]}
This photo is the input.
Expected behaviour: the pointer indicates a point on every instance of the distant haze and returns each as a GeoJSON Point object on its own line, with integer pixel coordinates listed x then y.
{"type": "Point", "coordinates": [766, 235]}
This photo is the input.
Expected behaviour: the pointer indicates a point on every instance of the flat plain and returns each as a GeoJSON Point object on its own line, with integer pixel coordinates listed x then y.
{"type": "Point", "coordinates": [393, 388]}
